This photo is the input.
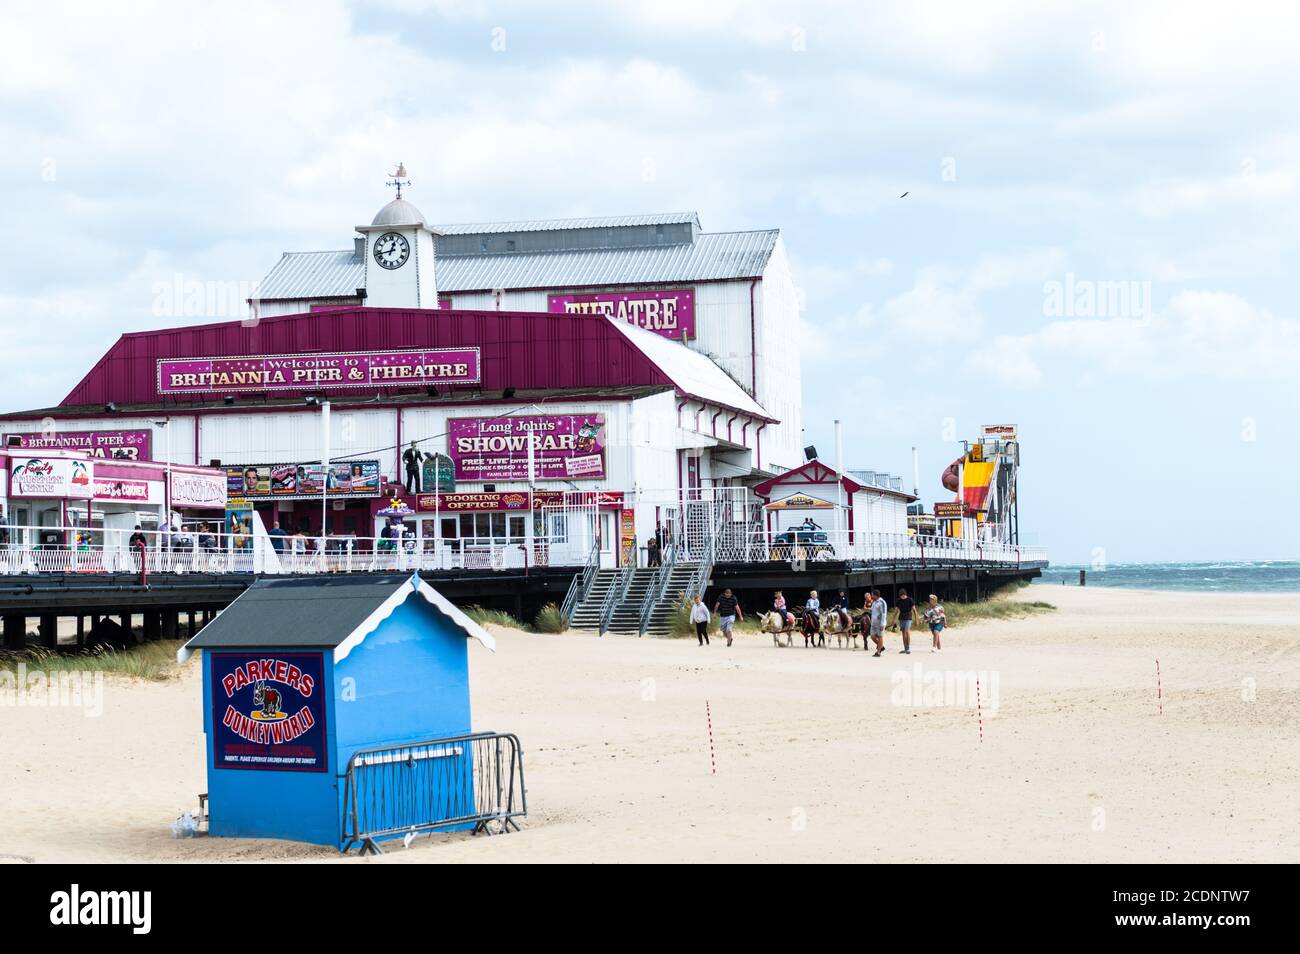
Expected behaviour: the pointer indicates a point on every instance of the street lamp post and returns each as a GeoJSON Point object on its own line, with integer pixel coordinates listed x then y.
{"type": "Point", "coordinates": [325, 475]}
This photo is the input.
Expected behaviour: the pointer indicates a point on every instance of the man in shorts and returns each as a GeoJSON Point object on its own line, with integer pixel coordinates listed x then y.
{"type": "Point", "coordinates": [879, 613]}
{"type": "Point", "coordinates": [906, 616]}
{"type": "Point", "coordinates": [728, 609]}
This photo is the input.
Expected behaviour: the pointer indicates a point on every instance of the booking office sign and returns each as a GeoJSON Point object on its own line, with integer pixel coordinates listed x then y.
{"type": "Point", "coordinates": [268, 711]}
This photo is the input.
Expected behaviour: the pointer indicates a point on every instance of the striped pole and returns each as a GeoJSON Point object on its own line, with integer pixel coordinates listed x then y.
{"type": "Point", "coordinates": [713, 755]}
{"type": "Point", "coordinates": [1160, 701]}
{"type": "Point", "coordinates": [979, 709]}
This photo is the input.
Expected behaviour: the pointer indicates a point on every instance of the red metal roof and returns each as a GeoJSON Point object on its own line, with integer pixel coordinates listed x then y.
{"type": "Point", "coordinates": [519, 349]}
{"type": "Point", "coordinates": [813, 472]}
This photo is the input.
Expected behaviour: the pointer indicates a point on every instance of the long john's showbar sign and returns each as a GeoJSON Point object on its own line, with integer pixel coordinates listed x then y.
{"type": "Point", "coordinates": [344, 369]}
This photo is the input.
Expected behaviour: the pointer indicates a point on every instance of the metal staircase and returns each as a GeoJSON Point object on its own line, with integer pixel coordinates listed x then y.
{"type": "Point", "coordinates": [642, 600]}
{"type": "Point", "coordinates": [616, 599]}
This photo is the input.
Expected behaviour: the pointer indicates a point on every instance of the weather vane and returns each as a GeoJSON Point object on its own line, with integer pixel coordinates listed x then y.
{"type": "Point", "coordinates": [398, 178]}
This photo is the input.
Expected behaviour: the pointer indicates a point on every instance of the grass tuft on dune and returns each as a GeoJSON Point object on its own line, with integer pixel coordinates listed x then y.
{"type": "Point", "coordinates": [155, 661]}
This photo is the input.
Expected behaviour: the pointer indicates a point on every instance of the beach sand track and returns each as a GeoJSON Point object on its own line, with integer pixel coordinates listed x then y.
{"type": "Point", "coordinates": [815, 762]}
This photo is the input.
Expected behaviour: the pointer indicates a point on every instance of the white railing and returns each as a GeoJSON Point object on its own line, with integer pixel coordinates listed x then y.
{"type": "Point", "coordinates": [77, 550]}
{"type": "Point", "coordinates": [74, 550]}
{"type": "Point", "coordinates": [808, 546]}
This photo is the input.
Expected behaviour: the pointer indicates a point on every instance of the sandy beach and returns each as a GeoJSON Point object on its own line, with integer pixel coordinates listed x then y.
{"type": "Point", "coordinates": [821, 754]}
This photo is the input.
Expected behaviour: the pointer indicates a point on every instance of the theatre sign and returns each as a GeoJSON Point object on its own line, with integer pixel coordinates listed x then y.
{"type": "Point", "coordinates": [344, 369]}
{"type": "Point", "coordinates": [670, 313]}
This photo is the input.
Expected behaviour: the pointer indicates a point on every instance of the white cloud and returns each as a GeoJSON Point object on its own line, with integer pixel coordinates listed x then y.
{"type": "Point", "coordinates": [1200, 334]}
{"type": "Point", "coordinates": [1008, 360]}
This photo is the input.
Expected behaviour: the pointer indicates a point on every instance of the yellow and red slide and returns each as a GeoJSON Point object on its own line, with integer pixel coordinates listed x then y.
{"type": "Point", "coordinates": [977, 480]}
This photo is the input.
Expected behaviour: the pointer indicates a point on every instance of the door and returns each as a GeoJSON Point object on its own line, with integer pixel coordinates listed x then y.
{"type": "Point", "coordinates": [608, 537]}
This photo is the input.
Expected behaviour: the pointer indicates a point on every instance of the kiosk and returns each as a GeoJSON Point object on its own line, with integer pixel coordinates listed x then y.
{"type": "Point", "coordinates": [337, 712]}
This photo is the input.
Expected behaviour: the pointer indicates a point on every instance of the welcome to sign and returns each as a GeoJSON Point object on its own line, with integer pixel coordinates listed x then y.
{"type": "Point", "coordinates": [344, 369]}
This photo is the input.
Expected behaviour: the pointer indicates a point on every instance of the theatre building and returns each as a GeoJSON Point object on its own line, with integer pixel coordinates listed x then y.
{"type": "Point", "coordinates": [567, 384]}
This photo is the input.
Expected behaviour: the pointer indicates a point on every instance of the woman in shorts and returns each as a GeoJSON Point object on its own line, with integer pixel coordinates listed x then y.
{"type": "Point", "coordinates": [934, 615]}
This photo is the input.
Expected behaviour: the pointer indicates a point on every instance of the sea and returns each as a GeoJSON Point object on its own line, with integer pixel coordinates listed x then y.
{"type": "Point", "coordinates": [1261, 576]}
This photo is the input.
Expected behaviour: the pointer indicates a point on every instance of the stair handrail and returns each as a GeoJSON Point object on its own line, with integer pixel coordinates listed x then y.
{"type": "Point", "coordinates": [705, 566]}
{"type": "Point", "coordinates": [580, 584]}
{"type": "Point", "coordinates": [614, 595]}
{"type": "Point", "coordinates": [655, 591]}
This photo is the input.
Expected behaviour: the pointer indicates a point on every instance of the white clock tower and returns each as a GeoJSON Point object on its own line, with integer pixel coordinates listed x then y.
{"type": "Point", "coordinates": [399, 254]}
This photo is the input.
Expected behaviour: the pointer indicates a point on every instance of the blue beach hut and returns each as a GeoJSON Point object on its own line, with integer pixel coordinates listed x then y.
{"type": "Point", "coordinates": [337, 712]}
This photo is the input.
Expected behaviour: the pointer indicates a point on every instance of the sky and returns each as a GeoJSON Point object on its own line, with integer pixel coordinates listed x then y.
{"type": "Point", "coordinates": [1099, 220]}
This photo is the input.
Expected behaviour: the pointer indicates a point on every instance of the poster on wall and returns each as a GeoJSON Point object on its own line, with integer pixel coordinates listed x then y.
{"type": "Point", "coordinates": [668, 313]}
{"type": "Point", "coordinates": [627, 536]}
{"type": "Point", "coordinates": [117, 445]}
{"type": "Point", "coordinates": [268, 711]}
{"type": "Point", "coordinates": [198, 490]}
{"type": "Point", "coordinates": [565, 447]}
{"type": "Point", "coordinates": [49, 477]}
{"type": "Point", "coordinates": [345, 478]}
{"type": "Point", "coordinates": [343, 369]}
{"type": "Point", "coordinates": [115, 488]}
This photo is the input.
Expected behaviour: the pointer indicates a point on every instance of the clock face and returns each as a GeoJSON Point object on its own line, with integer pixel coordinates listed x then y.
{"type": "Point", "coordinates": [392, 250]}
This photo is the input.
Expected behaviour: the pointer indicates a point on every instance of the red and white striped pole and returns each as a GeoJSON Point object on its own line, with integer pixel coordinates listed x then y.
{"type": "Point", "coordinates": [1160, 701]}
{"type": "Point", "coordinates": [713, 755]}
{"type": "Point", "coordinates": [979, 709]}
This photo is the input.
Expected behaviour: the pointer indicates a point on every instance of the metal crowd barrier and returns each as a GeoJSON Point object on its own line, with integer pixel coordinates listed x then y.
{"type": "Point", "coordinates": [466, 782]}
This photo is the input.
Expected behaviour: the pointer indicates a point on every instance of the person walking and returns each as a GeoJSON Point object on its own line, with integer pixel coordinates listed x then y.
{"type": "Point", "coordinates": [906, 616]}
{"type": "Point", "coordinates": [935, 616]}
{"type": "Point", "coordinates": [865, 622]}
{"type": "Point", "coordinates": [879, 613]}
{"type": "Point", "coordinates": [728, 609]}
{"type": "Point", "coordinates": [700, 617]}
{"type": "Point", "coordinates": [652, 557]}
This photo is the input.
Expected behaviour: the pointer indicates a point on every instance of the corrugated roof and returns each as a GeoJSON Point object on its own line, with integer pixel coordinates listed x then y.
{"type": "Point", "coordinates": [590, 222]}
{"type": "Point", "coordinates": [313, 275]}
{"type": "Point", "coordinates": [713, 256]}
{"type": "Point", "coordinates": [693, 373]}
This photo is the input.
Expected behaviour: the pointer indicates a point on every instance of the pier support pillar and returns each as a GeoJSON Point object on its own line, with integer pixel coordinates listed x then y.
{"type": "Point", "coordinates": [170, 624]}
{"type": "Point", "coordinates": [81, 631]}
{"type": "Point", "coordinates": [49, 631]}
{"type": "Point", "coordinates": [15, 631]}
{"type": "Point", "coordinates": [152, 626]}
{"type": "Point", "coordinates": [192, 623]}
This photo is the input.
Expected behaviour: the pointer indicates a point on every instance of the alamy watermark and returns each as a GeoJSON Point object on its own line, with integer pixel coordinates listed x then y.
{"type": "Point", "coordinates": [31, 689]}
{"type": "Point", "coordinates": [953, 688]}
{"type": "Point", "coordinates": [1084, 298]}
{"type": "Point", "coordinates": [191, 298]}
